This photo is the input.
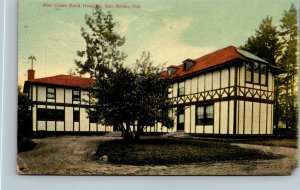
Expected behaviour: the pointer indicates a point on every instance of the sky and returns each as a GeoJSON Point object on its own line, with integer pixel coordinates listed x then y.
{"type": "Point", "coordinates": [171, 30]}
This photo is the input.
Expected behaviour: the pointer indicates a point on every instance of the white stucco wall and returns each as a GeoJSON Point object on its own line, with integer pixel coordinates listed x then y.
{"type": "Point", "coordinates": [261, 119]}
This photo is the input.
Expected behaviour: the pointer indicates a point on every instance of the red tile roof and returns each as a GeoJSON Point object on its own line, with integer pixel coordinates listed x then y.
{"type": "Point", "coordinates": [65, 80]}
{"type": "Point", "coordinates": [218, 57]}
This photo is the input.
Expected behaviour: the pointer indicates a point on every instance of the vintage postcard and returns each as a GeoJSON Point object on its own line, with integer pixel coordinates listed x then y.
{"type": "Point", "coordinates": [136, 87]}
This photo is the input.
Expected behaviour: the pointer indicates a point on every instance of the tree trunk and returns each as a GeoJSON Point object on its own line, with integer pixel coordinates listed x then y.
{"type": "Point", "coordinates": [130, 135]}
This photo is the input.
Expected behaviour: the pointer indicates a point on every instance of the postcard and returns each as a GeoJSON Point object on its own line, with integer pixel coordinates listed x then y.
{"type": "Point", "coordinates": [136, 87]}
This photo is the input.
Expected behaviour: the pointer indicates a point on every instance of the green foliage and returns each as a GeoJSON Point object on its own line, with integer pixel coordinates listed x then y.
{"type": "Point", "coordinates": [265, 43]}
{"type": "Point", "coordinates": [102, 43]}
{"type": "Point", "coordinates": [122, 97]}
{"type": "Point", "coordinates": [24, 123]}
{"type": "Point", "coordinates": [24, 115]}
{"type": "Point", "coordinates": [287, 83]}
{"type": "Point", "coordinates": [136, 98]}
{"type": "Point", "coordinates": [167, 151]}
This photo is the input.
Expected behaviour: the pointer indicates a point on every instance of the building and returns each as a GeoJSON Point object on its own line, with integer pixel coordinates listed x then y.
{"type": "Point", "coordinates": [227, 92]}
{"type": "Point", "coordinates": [60, 104]}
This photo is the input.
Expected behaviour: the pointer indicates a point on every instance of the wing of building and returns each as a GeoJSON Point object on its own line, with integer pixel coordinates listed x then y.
{"type": "Point", "coordinates": [227, 92]}
{"type": "Point", "coordinates": [60, 104]}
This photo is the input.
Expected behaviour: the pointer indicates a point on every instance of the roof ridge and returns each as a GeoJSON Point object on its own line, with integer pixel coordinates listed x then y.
{"type": "Point", "coordinates": [228, 47]}
{"type": "Point", "coordinates": [63, 75]}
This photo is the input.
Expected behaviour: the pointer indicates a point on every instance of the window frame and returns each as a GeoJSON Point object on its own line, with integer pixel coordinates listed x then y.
{"type": "Point", "coordinates": [74, 97]}
{"type": "Point", "coordinates": [50, 93]}
{"type": "Point", "coordinates": [43, 114]}
{"type": "Point", "coordinates": [76, 119]}
{"type": "Point", "coordinates": [205, 114]}
{"type": "Point", "coordinates": [92, 119]}
{"type": "Point", "coordinates": [265, 83]}
{"type": "Point", "coordinates": [179, 88]}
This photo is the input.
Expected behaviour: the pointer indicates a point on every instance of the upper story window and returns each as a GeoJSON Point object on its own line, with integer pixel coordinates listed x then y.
{"type": "Point", "coordinates": [256, 73]}
{"type": "Point", "coordinates": [205, 115]}
{"type": "Point", "coordinates": [181, 89]}
{"type": "Point", "coordinates": [171, 70]}
{"type": "Point", "coordinates": [50, 93]}
{"type": "Point", "coordinates": [76, 95]}
{"type": "Point", "coordinates": [187, 64]}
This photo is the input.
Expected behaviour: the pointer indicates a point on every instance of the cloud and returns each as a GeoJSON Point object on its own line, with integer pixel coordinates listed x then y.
{"type": "Point", "coordinates": [165, 43]}
{"type": "Point", "coordinates": [124, 23]}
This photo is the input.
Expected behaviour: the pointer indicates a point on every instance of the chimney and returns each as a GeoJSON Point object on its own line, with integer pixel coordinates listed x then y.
{"type": "Point", "coordinates": [31, 74]}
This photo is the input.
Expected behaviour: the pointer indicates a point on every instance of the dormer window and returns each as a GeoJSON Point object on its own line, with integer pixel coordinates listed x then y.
{"type": "Point", "coordinates": [187, 64]}
{"type": "Point", "coordinates": [171, 70]}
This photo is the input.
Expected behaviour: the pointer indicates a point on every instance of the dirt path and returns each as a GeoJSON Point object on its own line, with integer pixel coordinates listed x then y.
{"type": "Point", "coordinates": [70, 155]}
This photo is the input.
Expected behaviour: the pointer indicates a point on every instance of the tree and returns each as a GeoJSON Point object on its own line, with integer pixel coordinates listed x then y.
{"type": "Point", "coordinates": [24, 122]}
{"type": "Point", "coordinates": [24, 116]}
{"type": "Point", "coordinates": [128, 99]}
{"type": "Point", "coordinates": [102, 43]}
{"type": "Point", "coordinates": [265, 43]}
{"type": "Point", "coordinates": [288, 97]}
{"type": "Point", "coordinates": [131, 99]}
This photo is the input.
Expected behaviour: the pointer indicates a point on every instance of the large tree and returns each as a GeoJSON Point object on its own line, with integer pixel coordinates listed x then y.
{"type": "Point", "coordinates": [265, 43]}
{"type": "Point", "coordinates": [128, 99]}
{"type": "Point", "coordinates": [289, 61]}
{"type": "Point", "coordinates": [131, 99]}
{"type": "Point", "coordinates": [102, 43]}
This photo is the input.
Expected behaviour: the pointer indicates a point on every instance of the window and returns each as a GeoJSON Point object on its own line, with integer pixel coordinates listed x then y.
{"type": "Point", "coordinates": [50, 93]}
{"type": "Point", "coordinates": [256, 73]}
{"type": "Point", "coordinates": [205, 115]}
{"type": "Point", "coordinates": [76, 95]}
{"type": "Point", "coordinates": [75, 115]}
{"type": "Point", "coordinates": [181, 89]}
{"type": "Point", "coordinates": [92, 117]}
{"type": "Point", "coordinates": [50, 114]}
{"type": "Point", "coordinates": [188, 64]}
{"type": "Point", "coordinates": [263, 74]}
{"type": "Point", "coordinates": [171, 70]}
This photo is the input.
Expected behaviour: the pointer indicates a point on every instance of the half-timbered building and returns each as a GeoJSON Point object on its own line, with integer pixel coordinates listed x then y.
{"type": "Point", "coordinates": [227, 92]}
{"type": "Point", "coordinates": [60, 104]}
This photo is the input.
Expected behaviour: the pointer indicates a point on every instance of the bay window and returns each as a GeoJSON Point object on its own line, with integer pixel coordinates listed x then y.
{"type": "Point", "coordinates": [256, 73]}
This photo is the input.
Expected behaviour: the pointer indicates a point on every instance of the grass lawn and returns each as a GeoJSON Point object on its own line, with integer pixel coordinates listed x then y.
{"type": "Point", "coordinates": [167, 151]}
{"type": "Point", "coordinates": [292, 143]}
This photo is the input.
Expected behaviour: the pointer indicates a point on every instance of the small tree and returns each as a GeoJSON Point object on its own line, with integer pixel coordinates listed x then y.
{"type": "Point", "coordinates": [24, 122]}
{"type": "Point", "coordinates": [130, 100]}
{"type": "Point", "coordinates": [24, 115]}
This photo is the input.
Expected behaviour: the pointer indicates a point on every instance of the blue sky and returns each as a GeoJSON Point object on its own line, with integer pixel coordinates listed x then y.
{"type": "Point", "coordinates": [172, 30]}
